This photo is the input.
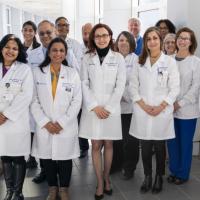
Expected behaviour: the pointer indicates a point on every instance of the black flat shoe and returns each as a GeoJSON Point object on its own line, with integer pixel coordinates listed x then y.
{"type": "Point", "coordinates": [41, 177]}
{"type": "Point", "coordinates": [146, 185]}
{"type": "Point", "coordinates": [98, 197]}
{"type": "Point", "coordinates": [180, 181]}
{"type": "Point", "coordinates": [171, 179]}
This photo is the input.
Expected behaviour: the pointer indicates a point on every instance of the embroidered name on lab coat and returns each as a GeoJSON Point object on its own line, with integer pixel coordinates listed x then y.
{"type": "Point", "coordinates": [67, 86]}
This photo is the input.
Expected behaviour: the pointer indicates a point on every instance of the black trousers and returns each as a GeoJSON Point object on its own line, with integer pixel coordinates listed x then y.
{"type": "Point", "coordinates": [13, 159]}
{"type": "Point", "coordinates": [125, 151]}
{"type": "Point", "coordinates": [83, 143]}
{"type": "Point", "coordinates": [147, 152]}
{"type": "Point", "coordinates": [58, 173]}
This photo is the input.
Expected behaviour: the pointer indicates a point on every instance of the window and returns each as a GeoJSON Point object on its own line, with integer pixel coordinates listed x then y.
{"type": "Point", "coordinates": [8, 20]}
{"type": "Point", "coordinates": [149, 11]}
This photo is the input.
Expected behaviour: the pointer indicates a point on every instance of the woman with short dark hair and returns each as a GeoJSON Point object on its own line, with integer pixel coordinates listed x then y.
{"type": "Point", "coordinates": [103, 80]}
{"type": "Point", "coordinates": [126, 151]}
{"type": "Point", "coordinates": [165, 26]}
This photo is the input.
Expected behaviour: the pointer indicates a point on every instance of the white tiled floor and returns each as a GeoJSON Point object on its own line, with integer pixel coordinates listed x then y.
{"type": "Point", "coordinates": [83, 185]}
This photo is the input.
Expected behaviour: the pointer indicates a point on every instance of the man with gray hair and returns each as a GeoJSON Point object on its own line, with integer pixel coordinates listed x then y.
{"type": "Point", "coordinates": [134, 27]}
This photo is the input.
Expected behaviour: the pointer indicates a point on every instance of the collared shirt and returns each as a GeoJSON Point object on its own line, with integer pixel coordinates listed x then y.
{"type": "Point", "coordinates": [5, 70]}
{"type": "Point", "coordinates": [139, 43]}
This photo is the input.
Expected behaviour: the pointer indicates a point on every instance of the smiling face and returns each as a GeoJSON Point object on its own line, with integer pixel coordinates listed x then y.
{"type": "Point", "coordinates": [163, 29]}
{"type": "Point", "coordinates": [184, 41]}
{"type": "Point", "coordinates": [57, 53]}
{"type": "Point", "coordinates": [123, 45]}
{"type": "Point", "coordinates": [102, 38]}
{"type": "Point", "coordinates": [10, 52]}
{"type": "Point", "coordinates": [170, 46]}
{"type": "Point", "coordinates": [46, 32]}
{"type": "Point", "coordinates": [134, 27]}
{"type": "Point", "coordinates": [62, 27]}
{"type": "Point", "coordinates": [153, 42]}
{"type": "Point", "coordinates": [28, 33]}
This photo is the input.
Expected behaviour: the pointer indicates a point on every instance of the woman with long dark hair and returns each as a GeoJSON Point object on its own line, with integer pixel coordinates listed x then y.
{"type": "Point", "coordinates": [103, 81]}
{"type": "Point", "coordinates": [55, 107]}
{"type": "Point", "coordinates": [16, 89]}
{"type": "Point", "coordinates": [154, 86]}
{"type": "Point", "coordinates": [29, 31]}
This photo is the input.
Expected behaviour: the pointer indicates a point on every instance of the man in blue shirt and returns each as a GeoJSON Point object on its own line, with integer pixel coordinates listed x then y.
{"type": "Point", "coordinates": [134, 26]}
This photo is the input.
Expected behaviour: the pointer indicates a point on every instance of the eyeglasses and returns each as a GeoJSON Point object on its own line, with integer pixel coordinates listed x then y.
{"type": "Point", "coordinates": [43, 33]}
{"type": "Point", "coordinates": [170, 42]}
{"type": "Point", "coordinates": [183, 38]}
{"type": "Point", "coordinates": [104, 36]}
{"type": "Point", "coordinates": [62, 25]}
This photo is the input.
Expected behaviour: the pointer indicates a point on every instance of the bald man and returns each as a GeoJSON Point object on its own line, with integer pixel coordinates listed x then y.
{"type": "Point", "coordinates": [86, 29]}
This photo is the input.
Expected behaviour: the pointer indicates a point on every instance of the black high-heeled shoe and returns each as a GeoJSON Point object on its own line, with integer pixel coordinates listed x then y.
{"type": "Point", "coordinates": [108, 192]}
{"type": "Point", "coordinates": [98, 197]}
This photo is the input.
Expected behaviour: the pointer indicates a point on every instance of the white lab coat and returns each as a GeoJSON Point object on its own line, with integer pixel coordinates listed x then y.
{"type": "Point", "coordinates": [16, 90]}
{"type": "Point", "coordinates": [75, 46]}
{"type": "Point", "coordinates": [126, 102]}
{"type": "Point", "coordinates": [102, 85]}
{"type": "Point", "coordinates": [188, 97]}
{"type": "Point", "coordinates": [63, 109]}
{"type": "Point", "coordinates": [37, 56]}
{"type": "Point", "coordinates": [154, 84]}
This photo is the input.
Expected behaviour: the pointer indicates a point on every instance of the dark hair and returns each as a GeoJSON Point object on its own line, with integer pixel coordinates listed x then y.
{"type": "Point", "coordinates": [21, 50]}
{"type": "Point", "coordinates": [47, 59]}
{"type": "Point", "coordinates": [193, 39]}
{"type": "Point", "coordinates": [34, 27]}
{"type": "Point", "coordinates": [145, 51]}
{"type": "Point", "coordinates": [130, 39]}
{"type": "Point", "coordinates": [59, 18]}
{"type": "Point", "coordinates": [169, 24]}
{"type": "Point", "coordinates": [92, 46]}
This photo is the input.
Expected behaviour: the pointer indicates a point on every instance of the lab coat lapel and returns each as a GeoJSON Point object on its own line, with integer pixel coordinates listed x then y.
{"type": "Point", "coordinates": [9, 73]}
{"type": "Point", "coordinates": [62, 76]}
{"type": "Point", "coordinates": [108, 59]}
{"type": "Point", "coordinates": [156, 65]}
{"type": "Point", "coordinates": [47, 72]}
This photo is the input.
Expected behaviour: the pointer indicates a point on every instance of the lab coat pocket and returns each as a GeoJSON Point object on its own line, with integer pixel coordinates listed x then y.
{"type": "Point", "coordinates": [162, 79]}
{"type": "Point", "coordinates": [111, 74]}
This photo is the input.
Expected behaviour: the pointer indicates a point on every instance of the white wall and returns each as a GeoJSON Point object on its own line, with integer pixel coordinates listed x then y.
{"type": "Point", "coordinates": [116, 14]}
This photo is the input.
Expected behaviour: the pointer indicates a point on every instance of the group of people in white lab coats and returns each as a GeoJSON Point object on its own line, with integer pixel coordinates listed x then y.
{"type": "Point", "coordinates": [116, 90]}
